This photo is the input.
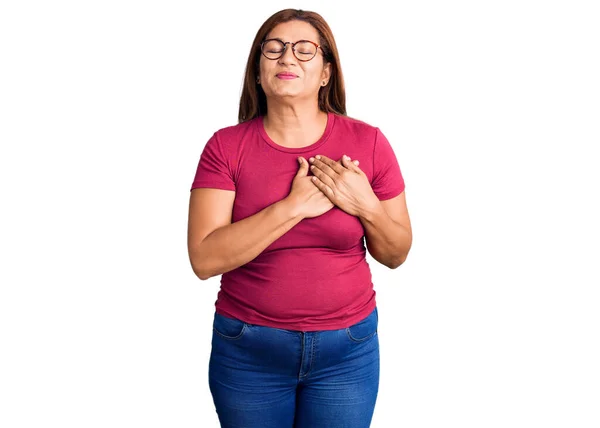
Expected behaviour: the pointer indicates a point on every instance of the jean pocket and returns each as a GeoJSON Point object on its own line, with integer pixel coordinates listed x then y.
{"type": "Point", "coordinates": [365, 329]}
{"type": "Point", "coordinates": [228, 328]}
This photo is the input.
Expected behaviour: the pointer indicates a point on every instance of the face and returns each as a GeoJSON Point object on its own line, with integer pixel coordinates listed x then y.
{"type": "Point", "coordinates": [307, 76]}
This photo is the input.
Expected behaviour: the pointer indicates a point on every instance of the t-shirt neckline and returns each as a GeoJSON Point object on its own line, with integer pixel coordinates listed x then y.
{"type": "Point", "coordinates": [316, 144]}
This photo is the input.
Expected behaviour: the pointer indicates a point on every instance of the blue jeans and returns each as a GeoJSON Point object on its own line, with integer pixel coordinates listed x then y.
{"type": "Point", "coordinates": [264, 377]}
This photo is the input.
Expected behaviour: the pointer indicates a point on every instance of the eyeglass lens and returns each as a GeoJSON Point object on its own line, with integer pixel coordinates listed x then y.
{"type": "Point", "coordinates": [304, 51]}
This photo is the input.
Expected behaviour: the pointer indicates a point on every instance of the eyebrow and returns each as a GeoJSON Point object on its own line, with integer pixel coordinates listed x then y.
{"type": "Point", "coordinates": [282, 41]}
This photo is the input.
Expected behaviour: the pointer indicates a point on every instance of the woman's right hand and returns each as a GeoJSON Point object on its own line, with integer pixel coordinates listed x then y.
{"type": "Point", "coordinates": [306, 196]}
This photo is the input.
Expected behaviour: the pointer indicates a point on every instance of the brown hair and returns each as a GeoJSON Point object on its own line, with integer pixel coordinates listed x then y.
{"type": "Point", "coordinates": [332, 97]}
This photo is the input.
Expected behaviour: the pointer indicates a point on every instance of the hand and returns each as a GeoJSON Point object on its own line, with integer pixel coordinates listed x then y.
{"type": "Point", "coordinates": [307, 200]}
{"type": "Point", "coordinates": [344, 183]}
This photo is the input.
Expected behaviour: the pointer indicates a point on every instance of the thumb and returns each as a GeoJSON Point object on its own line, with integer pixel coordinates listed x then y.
{"type": "Point", "coordinates": [303, 170]}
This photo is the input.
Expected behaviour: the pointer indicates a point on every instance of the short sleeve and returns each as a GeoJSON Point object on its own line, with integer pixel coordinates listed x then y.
{"type": "Point", "coordinates": [213, 170]}
{"type": "Point", "coordinates": [387, 177]}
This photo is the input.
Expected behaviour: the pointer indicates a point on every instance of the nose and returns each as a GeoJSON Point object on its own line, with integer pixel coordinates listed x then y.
{"type": "Point", "coordinates": [288, 56]}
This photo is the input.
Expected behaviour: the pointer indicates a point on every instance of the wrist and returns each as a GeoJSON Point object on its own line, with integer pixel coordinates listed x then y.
{"type": "Point", "coordinates": [292, 208]}
{"type": "Point", "coordinates": [371, 211]}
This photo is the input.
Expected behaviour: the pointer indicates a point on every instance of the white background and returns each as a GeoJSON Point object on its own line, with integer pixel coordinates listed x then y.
{"type": "Point", "coordinates": [493, 110]}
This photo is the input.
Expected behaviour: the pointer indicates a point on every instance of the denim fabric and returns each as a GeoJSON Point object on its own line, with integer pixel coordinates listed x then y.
{"type": "Point", "coordinates": [264, 377]}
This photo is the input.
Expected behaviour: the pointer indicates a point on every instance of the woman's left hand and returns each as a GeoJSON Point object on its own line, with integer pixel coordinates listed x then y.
{"type": "Point", "coordinates": [345, 184]}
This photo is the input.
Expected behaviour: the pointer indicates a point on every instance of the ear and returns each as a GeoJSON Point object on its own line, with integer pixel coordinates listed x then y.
{"type": "Point", "coordinates": [326, 74]}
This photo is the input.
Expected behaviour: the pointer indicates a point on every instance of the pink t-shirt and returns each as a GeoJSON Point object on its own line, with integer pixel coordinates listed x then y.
{"type": "Point", "coordinates": [315, 276]}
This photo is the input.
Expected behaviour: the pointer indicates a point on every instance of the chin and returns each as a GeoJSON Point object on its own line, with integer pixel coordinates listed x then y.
{"type": "Point", "coordinates": [285, 93]}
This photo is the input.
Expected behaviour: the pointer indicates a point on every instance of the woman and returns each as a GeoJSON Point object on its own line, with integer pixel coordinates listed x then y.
{"type": "Point", "coordinates": [279, 211]}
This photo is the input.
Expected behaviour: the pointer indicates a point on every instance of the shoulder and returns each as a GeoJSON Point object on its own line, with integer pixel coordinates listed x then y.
{"type": "Point", "coordinates": [235, 131]}
{"type": "Point", "coordinates": [226, 139]}
{"type": "Point", "coordinates": [356, 126]}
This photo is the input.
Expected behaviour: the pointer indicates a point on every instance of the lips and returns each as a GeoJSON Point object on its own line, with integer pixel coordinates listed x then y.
{"type": "Point", "coordinates": [285, 75]}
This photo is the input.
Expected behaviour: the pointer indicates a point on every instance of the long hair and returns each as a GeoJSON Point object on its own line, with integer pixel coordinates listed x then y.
{"type": "Point", "coordinates": [332, 97]}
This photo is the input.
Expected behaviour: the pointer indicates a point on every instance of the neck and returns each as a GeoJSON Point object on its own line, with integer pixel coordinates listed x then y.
{"type": "Point", "coordinates": [293, 123]}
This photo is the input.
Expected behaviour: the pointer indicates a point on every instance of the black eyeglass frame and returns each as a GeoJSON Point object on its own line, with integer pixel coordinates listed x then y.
{"type": "Point", "coordinates": [293, 49]}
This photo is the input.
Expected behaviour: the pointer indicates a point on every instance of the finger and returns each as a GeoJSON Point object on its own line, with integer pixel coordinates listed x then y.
{"type": "Point", "coordinates": [327, 165]}
{"type": "Point", "coordinates": [303, 169]}
{"type": "Point", "coordinates": [352, 166]}
{"type": "Point", "coordinates": [328, 191]}
{"type": "Point", "coordinates": [325, 176]}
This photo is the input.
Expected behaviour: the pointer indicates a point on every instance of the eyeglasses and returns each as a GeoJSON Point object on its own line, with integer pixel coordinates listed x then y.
{"type": "Point", "coordinates": [304, 50]}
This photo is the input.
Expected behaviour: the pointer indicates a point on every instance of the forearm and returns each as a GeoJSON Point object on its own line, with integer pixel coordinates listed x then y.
{"type": "Point", "coordinates": [387, 241]}
{"type": "Point", "coordinates": [238, 243]}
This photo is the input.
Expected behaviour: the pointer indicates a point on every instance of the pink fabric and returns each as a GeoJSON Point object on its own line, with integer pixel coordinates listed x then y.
{"type": "Point", "coordinates": [316, 276]}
